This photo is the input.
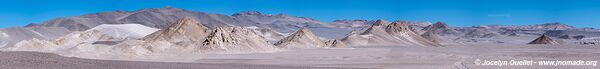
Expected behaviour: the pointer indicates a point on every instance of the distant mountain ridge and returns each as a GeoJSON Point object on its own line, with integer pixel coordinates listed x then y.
{"type": "Point", "coordinates": [163, 17]}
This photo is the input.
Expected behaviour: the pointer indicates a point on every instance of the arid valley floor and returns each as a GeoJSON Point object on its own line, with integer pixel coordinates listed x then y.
{"type": "Point", "coordinates": [388, 57]}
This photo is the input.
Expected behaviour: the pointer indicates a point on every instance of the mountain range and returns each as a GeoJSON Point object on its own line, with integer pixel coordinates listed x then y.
{"type": "Point", "coordinates": [277, 26]}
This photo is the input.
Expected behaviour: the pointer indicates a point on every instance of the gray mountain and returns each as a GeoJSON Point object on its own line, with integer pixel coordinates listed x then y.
{"type": "Point", "coordinates": [545, 26]}
{"type": "Point", "coordinates": [441, 28]}
{"type": "Point", "coordinates": [544, 39]}
{"type": "Point", "coordinates": [479, 33]}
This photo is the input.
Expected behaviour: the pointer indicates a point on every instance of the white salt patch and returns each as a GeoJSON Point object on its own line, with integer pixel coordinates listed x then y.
{"type": "Point", "coordinates": [5, 35]}
{"type": "Point", "coordinates": [122, 31]}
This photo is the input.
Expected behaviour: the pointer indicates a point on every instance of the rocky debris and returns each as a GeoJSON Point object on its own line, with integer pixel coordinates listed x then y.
{"type": "Point", "coordinates": [302, 38]}
{"type": "Point", "coordinates": [544, 39]}
{"type": "Point", "coordinates": [235, 39]}
{"type": "Point", "coordinates": [185, 29]}
{"type": "Point", "coordinates": [335, 44]}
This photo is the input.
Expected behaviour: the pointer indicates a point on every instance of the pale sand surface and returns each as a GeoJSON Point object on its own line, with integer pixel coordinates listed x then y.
{"type": "Point", "coordinates": [384, 57]}
{"type": "Point", "coordinates": [395, 57]}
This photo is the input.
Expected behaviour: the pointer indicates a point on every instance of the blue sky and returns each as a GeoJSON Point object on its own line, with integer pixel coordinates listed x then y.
{"type": "Point", "coordinates": [579, 13]}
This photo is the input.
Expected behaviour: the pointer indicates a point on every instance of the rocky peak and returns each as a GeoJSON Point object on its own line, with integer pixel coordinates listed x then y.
{"type": "Point", "coordinates": [221, 35]}
{"type": "Point", "coordinates": [441, 28]}
{"type": "Point", "coordinates": [440, 25]}
{"type": "Point", "coordinates": [396, 27]}
{"type": "Point", "coordinates": [182, 30]}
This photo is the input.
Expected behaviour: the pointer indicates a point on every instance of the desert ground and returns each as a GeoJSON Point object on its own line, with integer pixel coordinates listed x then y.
{"type": "Point", "coordinates": [34, 60]}
{"type": "Point", "coordinates": [378, 57]}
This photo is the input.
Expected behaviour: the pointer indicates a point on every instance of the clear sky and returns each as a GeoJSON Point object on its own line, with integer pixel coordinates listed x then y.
{"type": "Point", "coordinates": [579, 13]}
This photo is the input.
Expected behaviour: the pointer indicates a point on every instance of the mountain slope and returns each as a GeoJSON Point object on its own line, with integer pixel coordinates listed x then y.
{"type": "Point", "coordinates": [302, 38]}
{"type": "Point", "coordinates": [185, 29]}
{"type": "Point", "coordinates": [381, 33]}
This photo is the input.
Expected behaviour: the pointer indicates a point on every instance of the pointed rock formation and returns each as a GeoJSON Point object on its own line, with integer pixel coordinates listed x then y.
{"type": "Point", "coordinates": [235, 40]}
{"type": "Point", "coordinates": [544, 39]}
{"type": "Point", "coordinates": [335, 44]}
{"type": "Point", "coordinates": [302, 38]}
{"type": "Point", "coordinates": [186, 29]}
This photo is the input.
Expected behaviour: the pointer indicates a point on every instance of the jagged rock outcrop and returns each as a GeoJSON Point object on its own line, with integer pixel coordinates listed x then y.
{"type": "Point", "coordinates": [381, 33]}
{"type": "Point", "coordinates": [335, 44]}
{"type": "Point", "coordinates": [544, 39]}
{"type": "Point", "coordinates": [302, 38]}
{"type": "Point", "coordinates": [185, 29]}
{"type": "Point", "coordinates": [236, 40]}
